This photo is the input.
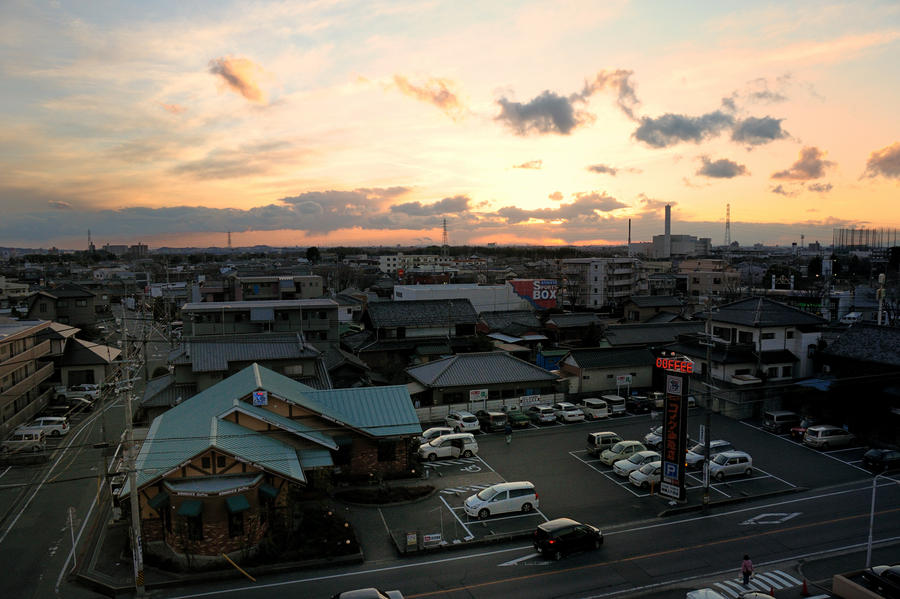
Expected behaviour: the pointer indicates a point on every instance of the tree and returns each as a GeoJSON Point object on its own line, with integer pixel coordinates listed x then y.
{"type": "Point", "coordinates": [312, 254]}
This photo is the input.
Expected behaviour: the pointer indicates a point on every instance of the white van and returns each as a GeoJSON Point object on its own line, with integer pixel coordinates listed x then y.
{"type": "Point", "coordinates": [449, 446]}
{"type": "Point", "coordinates": [53, 425]}
{"type": "Point", "coordinates": [502, 498]}
{"type": "Point", "coordinates": [851, 317]}
{"type": "Point", "coordinates": [594, 408]}
{"type": "Point", "coordinates": [25, 438]}
{"type": "Point", "coordinates": [616, 404]}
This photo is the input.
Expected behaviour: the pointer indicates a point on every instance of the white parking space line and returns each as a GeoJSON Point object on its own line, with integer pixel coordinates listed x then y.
{"type": "Point", "coordinates": [831, 451]}
{"type": "Point", "coordinates": [469, 534]}
{"type": "Point", "coordinates": [8, 468]}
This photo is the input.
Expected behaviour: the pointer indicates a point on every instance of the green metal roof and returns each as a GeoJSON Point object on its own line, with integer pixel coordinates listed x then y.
{"type": "Point", "coordinates": [195, 425]}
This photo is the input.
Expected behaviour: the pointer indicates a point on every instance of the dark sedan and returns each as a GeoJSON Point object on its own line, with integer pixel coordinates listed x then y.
{"type": "Point", "coordinates": [879, 460]}
{"type": "Point", "coordinates": [639, 404]}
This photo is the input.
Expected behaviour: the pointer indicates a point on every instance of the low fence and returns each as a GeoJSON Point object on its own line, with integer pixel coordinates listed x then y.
{"type": "Point", "coordinates": [439, 413]}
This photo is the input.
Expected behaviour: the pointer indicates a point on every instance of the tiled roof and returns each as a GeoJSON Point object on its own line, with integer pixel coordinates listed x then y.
{"type": "Point", "coordinates": [867, 343]}
{"type": "Point", "coordinates": [499, 320]}
{"type": "Point", "coordinates": [649, 333]}
{"type": "Point", "coordinates": [212, 354]}
{"type": "Point", "coordinates": [443, 312]}
{"type": "Point", "coordinates": [763, 312]}
{"type": "Point", "coordinates": [574, 319]}
{"type": "Point", "coordinates": [70, 290]}
{"type": "Point", "coordinates": [656, 301]}
{"type": "Point", "coordinates": [84, 353]}
{"type": "Point", "coordinates": [484, 368]}
{"type": "Point", "coordinates": [611, 357]}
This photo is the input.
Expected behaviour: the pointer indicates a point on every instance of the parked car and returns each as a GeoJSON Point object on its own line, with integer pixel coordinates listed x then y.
{"type": "Point", "coordinates": [491, 420]}
{"type": "Point", "coordinates": [620, 451]}
{"type": "Point", "coordinates": [86, 390]}
{"type": "Point", "coordinates": [371, 593]}
{"type": "Point", "coordinates": [594, 408]}
{"type": "Point", "coordinates": [879, 460]}
{"type": "Point", "coordinates": [597, 443]}
{"type": "Point", "coordinates": [462, 421]}
{"type": "Point", "coordinates": [654, 437]}
{"type": "Point", "coordinates": [454, 445]}
{"type": "Point", "coordinates": [780, 421]}
{"type": "Point", "coordinates": [541, 414]}
{"type": "Point", "coordinates": [647, 475]}
{"type": "Point", "coordinates": [502, 498]}
{"type": "Point", "coordinates": [639, 404]}
{"type": "Point", "coordinates": [696, 454]}
{"type": "Point", "coordinates": [80, 404]}
{"type": "Point", "coordinates": [568, 412]}
{"type": "Point", "coordinates": [517, 418]}
{"type": "Point", "coordinates": [826, 436]}
{"type": "Point", "coordinates": [798, 431]}
{"type": "Point", "coordinates": [625, 467]}
{"type": "Point", "coordinates": [730, 463]}
{"type": "Point", "coordinates": [25, 438]}
{"type": "Point", "coordinates": [705, 594]}
{"type": "Point", "coordinates": [562, 536]}
{"type": "Point", "coordinates": [616, 404]}
{"type": "Point", "coordinates": [433, 433]}
{"type": "Point", "coordinates": [54, 426]}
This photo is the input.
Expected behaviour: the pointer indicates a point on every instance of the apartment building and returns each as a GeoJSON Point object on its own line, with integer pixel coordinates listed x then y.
{"type": "Point", "coordinates": [401, 261]}
{"type": "Point", "coordinates": [276, 287]}
{"type": "Point", "coordinates": [22, 370]}
{"type": "Point", "coordinates": [598, 282]}
{"type": "Point", "coordinates": [709, 278]}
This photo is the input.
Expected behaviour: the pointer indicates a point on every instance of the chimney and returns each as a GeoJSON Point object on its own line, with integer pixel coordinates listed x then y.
{"type": "Point", "coordinates": [629, 237]}
{"type": "Point", "coordinates": [667, 244]}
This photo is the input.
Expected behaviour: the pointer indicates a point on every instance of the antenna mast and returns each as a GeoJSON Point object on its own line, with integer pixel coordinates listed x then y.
{"type": "Point", "coordinates": [727, 225]}
{"type": "Point", "coordinates": [445, 249]}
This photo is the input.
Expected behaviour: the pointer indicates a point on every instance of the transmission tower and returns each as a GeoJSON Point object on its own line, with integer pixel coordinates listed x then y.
{"type": "Point", "coordinates": [445, 246]}
{"type": "Point", "coordinates": [727, 225]}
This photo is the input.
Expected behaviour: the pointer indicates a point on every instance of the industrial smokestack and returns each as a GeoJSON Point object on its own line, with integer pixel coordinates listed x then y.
{"type": "Point", "coordinates": [667, 248]}
{"type": "Point", "coordinates": [629, 238]}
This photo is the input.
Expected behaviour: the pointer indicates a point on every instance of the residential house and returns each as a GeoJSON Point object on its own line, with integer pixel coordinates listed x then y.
{"type": "Point", "coordinates": [11, 292]}
{"type": "Point", "coordinates": [574, 328]}
{"type": "Point", "coordinates": [68, 303]}
{"type": "Point", "coordinates": [216, 472]}
{"type": "Point", "coordinates": [598, 370]}
{"type": "Point", "coordinates": [400, 333]}
{"type": "Point", "coordinates": [640, 308]}
{"type": "Point", "coordinates": [479, 376]}
{"type": "Point", "coordinates": [87, 362]}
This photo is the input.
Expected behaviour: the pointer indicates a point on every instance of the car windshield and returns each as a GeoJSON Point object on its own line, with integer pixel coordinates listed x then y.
{"type": "Point", "coordinates": [636, 458]}
{"type": "Point", "coordinates": [657, 431]}
{"type": "Point", "coordinates": [699, 449]}
{"type": "Point", "coordinates": [486, 494]}
{"type": "Point", "coordinates": [619, 447]}
{"type": "Point", "coordinates": [720, 459]}
{"type": "Point", "coordinates": [649, 468]}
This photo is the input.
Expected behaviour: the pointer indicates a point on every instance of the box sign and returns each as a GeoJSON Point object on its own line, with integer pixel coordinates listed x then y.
{"type": "Point", "coordinates": [675, 364]}
{"type": "Point", "coordinates": [260, 398]}
{"type": "Point", "coordinates": [623, 379]}
{"type": "Point", "coordinates": [540, 293]}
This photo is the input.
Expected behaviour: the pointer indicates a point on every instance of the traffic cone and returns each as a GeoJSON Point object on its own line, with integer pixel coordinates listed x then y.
{"type": "Point", "coordinates": [772, 591]}
{"type": "Point", "coordinates": [804, 592]}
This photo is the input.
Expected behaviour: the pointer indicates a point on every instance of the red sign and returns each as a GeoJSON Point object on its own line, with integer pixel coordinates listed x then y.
{"type": "Point", "coordinates": [675, 364]}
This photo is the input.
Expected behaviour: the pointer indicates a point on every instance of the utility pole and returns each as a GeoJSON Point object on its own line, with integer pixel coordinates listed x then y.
{"type": "Point", "coordinates": [136, 550]}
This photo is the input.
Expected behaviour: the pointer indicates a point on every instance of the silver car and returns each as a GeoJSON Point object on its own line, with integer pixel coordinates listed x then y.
{"type": "Point", "coordinates": [826, 436]}
{"type": "Point", "coordinates": [731, 463]}
{"type": "Point", "coordinates": [627, 466]}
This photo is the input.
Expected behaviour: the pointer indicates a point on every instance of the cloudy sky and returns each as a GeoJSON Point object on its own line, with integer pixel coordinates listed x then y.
{"type": "Point", "coordinates": [330, 122]}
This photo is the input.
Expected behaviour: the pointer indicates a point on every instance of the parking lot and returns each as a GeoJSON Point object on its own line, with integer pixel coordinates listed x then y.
{"type": "Point", "coordinates": [572, 483]}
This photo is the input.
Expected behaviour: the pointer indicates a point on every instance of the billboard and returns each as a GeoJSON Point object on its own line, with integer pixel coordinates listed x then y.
{"type": "Point", "coordinates": [540, 293]}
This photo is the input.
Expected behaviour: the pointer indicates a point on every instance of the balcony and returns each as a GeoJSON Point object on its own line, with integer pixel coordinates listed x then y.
{"type": "Point", "coordinates": [30, 382]}
{"type": "Point", "coordinates": [15, 361]}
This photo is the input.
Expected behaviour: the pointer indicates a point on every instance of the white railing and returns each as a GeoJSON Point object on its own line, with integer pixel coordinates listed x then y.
{"type": "Point", "coordinates": [439, 413]}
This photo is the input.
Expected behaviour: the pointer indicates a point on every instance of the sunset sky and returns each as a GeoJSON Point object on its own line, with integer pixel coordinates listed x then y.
{"type": "Point", "coordinates": [328, 122]}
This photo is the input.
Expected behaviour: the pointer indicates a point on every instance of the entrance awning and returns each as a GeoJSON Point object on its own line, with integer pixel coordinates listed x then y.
{"type": "Point", "coordinates": [236, 504]}
{"type": "Point", "coordinates": [191, 508]}
{"type": "Point", "coordinates": [268, 491]}
{"type": "Point", "coordinates": [158, 501]}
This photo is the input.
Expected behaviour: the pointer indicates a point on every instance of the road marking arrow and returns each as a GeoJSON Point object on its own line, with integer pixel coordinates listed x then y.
{"type": "Point", "coordinates": [515, 562]}
{"type": "Point", "coordinates": [773, 518]}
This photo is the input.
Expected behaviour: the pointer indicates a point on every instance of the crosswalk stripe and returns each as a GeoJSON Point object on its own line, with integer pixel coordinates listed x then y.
{"type": "Point", "coordinates": [733, 585]}
{"type": "Point", "coordinates": [788, 577]}
{"type": "Point", "coordinates": [782, 577]}
{"type": "Point", "coordinates": [760, 584]}
{"type": "Point", "coordinates": [766, 580]}
{"type": "Point", "coordinates": [726, 590]}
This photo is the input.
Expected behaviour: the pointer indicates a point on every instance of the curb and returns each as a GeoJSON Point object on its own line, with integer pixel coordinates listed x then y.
{"type": "Point", "coordinates": [489, 540]}
{"type": "Point", "coordinates": [724, 502]}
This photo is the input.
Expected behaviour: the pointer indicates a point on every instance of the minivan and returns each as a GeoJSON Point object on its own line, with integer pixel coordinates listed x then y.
{"type": "Point", "coordinates": [826, 436]}
{"type": "Point", "coordinates": [616, 404]}
{"type": "Point", "coordinates": [597, 443]}
{"type": "Point", "coordinates": [780, 421]}
{"type": "Point", "coordinates": [594, 408]}
{"type": "Point", "coordinates": [449, 446]}
{"type": "Point", "coordinates": [491, 420]}
{"type": "Point", "coordinates": [54, 425]}
{"type": "Point", "coordinates": [25, 438]}
{"type": "Point", "coordinates": [502, 498]}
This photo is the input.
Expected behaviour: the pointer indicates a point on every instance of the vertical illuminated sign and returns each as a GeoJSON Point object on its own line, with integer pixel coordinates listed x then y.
{"type": "Point", "coordinates": [674, 426]}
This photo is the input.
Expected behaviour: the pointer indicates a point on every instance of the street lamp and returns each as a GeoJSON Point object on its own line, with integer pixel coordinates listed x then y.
{"type": "Point", "coordinates": [872, 514]}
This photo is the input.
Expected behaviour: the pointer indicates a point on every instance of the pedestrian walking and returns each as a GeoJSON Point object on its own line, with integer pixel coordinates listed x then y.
{"type": "Point", "coordinates": [508, 431]}
{"type": "Point", "coordinates": [746, 569]}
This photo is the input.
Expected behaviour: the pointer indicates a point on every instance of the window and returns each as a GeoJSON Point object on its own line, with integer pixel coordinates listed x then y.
{"type": "Point", "coordinates": [42, 307]}
{"type": "Point", "coordinates": [236, 524]}
{"type": "Point", "coordinates": [787, 371]}
{"type": "Point", "coordinates": [220, 461]}
{"type": "Point", "coordinates": [766, 336]}
{"type": "Point", "coordinates": [772, 371]}
{"type": "Point", "coordinates": [62, 304]}
{"type": "Point", "coordinates": [789, 334]}
{"type": "Point", "coordinates": [205, 463]}
{"type": "Point", "coordinates": [745, 337]}
{"type": "Point", "coordinates": [81, 303]}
